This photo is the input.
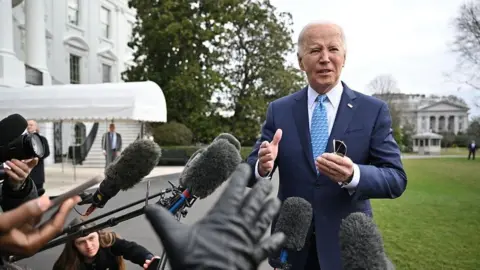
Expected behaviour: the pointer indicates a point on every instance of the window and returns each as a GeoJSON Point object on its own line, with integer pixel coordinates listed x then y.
{"type": "Point", "coordinates": [130, 31]}
{"type": "Point", "coordinates": [105, 22]}
{"type": "Point", "coordinates": [106, 73]}
{"type": "Point", "coordinates": [74, 69]}
{"type": "Point", "coordinates": [73, 12]}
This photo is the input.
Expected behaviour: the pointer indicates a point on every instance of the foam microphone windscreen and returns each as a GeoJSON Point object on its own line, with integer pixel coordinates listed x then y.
{"type": "Point", "coordinates": [210, 167]}
{"type": "Point", "coordinates": [11, 127]}
{"type": "Point", "coordinates": [135, 162]}
{"type": "Point", "coordinates": [231, 139]}
{"type": "Point", "coordinates": [294, 221]}
{"type": "Point", "coordinates": [362, 245]}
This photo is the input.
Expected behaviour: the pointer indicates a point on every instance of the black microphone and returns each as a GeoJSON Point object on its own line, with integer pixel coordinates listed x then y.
{"type": "Point", "coordinates": [207, 169]}
{"type": "Point", "coordinates": [294, 221]}
{"type": "Point", "coordinates": [362, 245]}
{"type": "Point", "coordinates": [11, 127]}
{"type": "Point", "coordinates": [135, 162]}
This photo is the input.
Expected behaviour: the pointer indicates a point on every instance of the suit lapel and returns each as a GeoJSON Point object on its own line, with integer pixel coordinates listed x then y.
{"type": "Point", "coordinates": [300, 115]}
{"type": "Point", "coordinates": [345, 112]}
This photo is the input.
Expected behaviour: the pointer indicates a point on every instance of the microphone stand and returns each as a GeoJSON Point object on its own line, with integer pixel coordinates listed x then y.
{"type": "Point", "coordinates": [164, 202]}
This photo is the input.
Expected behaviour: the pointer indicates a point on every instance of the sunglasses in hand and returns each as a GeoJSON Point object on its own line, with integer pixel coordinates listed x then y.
{"type": "Point", "coordinates": [339, 148]}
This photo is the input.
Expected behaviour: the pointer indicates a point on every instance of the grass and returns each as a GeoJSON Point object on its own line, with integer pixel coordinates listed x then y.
{"type": "Point", "coordinates": [435, 224]}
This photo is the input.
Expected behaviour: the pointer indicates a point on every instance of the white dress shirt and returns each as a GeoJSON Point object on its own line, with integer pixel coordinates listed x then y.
{"type": "Point", "coordinates": [334, 96]}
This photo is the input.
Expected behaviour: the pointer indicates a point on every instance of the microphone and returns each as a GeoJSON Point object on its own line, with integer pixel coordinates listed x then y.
{"type": "Point", "coordinates": [207, 169]}
{"type": "Point", "coordinates": [294, 221]}
{"type": "Point", "coordinates": [229, 137]}
{"type": "Point", "coordinates": [135, 162]}
{"type": "Point", "coordinates": [11, 127]}
{"type": "Point", "coordinates": [362, 245]}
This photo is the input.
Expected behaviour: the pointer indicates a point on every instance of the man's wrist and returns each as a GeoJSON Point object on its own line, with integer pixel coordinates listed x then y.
{"type": "Point", "coordinates": [16, 185]}
{"type": "Point", "coordinates": [258, 173]}
{"type": "Point", "coordinates": [353, 180]}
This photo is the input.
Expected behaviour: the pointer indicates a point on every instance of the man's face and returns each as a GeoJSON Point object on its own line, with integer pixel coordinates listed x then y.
{"type": "Point", "coordinates": [32, 126]}
{"type": "Point", "coordinates": [322, 56]}
{"type": "Point", "coordinates": [88, 246]}
{"type": "Point", "coordinates": [112, 128]}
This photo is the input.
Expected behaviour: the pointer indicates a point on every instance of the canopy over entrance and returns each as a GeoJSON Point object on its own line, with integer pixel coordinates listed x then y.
{"type": "Point", "coordinates": [138, 101]}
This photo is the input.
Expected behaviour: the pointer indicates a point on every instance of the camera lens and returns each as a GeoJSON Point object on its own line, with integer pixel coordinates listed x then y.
{"type": "Point", "coordinates": [37, 145]}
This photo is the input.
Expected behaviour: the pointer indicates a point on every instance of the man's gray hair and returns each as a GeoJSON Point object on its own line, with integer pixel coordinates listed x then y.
{"type": "Point", "coordinates": [301, 36]}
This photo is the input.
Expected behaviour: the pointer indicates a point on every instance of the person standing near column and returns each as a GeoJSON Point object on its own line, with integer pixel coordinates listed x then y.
{"type": "Point", "coordinates": [38, 172]}
{"type": "Point", "coordinates": [111, 145]}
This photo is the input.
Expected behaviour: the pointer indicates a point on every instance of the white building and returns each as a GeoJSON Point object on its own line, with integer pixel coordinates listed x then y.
{"type": "Point", "coordinates": [45, 42]}
{"type": "Point", "coordinates": [426, 114]}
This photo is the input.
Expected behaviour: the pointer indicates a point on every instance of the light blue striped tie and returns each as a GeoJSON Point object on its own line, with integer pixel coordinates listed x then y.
{"type": "Point", "coordinates": [319, 128]}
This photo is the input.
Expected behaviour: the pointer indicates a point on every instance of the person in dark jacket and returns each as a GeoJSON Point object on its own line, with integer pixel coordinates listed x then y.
{"type": "Point", "coordinates": [38, 172]}
{"type": "Point", "coordinates": [472, 148]}
{"type": "Point", "coordinates": [101, 250]}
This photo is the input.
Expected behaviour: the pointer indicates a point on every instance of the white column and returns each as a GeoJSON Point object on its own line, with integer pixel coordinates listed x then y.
{"type": "Point", "coordinates": [12, 70]}
{"type": "Point", "coordinates": [36, 52]}
{"type": "Point", "coordinates": [455, 124]}
{"type": "Point", "coordinates": [437, 120]}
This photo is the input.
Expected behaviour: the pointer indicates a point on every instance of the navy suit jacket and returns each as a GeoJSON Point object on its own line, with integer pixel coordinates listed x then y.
{"type": "Point", "coordinates": [365, 127]}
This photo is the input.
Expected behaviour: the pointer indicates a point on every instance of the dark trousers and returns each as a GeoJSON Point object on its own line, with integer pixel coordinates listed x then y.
{"type": "Point", "coordinates": [110, 157]}
{"type": "Point", "coordinates": [471, 154]}
{"type": "Point", "coordinates": [312, 258]}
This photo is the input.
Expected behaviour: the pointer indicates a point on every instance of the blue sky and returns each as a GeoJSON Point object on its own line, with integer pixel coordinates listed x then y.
{"type": "Point", "coordinates": [407, 39]}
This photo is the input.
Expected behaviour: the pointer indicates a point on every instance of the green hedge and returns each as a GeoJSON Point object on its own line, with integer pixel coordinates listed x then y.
{"type": "Point", "coordinates": [190, 149]}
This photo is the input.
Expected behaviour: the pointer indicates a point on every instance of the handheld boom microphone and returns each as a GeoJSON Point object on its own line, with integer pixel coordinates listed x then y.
{"type": "Point", "coordinates": [207, 169]}
{"type": "Point", "coordinates": [362, 245]}
{"type": "Point", "coordinates": [294, 221]}
{"type": "Point", "coordinates": [135, 162]}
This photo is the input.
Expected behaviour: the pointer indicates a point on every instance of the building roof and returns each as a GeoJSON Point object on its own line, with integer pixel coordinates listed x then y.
{"type": "Point", "coordinates": [458, 106]}
{"type": "Point", "coordinates": [139, 101]}
{"type": "Point", "coordinates": [427, 135]}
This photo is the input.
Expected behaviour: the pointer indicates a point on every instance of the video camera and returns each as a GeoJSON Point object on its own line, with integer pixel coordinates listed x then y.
{"type": "Point", "coordinates": [16, 145]}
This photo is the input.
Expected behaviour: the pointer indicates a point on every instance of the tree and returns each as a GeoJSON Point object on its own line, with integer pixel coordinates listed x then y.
{"type": "Point", "coordinates": [254, 51]}
{"type": "Point", "coordinates": [386, 88]}
{"type": "Point", "coordinates": [474, 128]}
{"type": "Point", "coordinates": [467, 45]}
{"type": "Point", "coordinates": [172, 43]}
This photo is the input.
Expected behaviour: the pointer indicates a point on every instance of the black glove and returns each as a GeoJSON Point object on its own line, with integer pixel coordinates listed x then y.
{"type": "Point", "coordinates": [229, 236]}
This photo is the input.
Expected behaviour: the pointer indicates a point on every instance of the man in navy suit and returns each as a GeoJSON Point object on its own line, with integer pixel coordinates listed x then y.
{"type": "Point", "coordinates": [297, 138]}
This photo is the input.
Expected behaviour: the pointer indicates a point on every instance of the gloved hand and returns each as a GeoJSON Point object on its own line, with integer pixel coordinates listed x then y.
{"type": "Point", "coordinates": [229, 237]}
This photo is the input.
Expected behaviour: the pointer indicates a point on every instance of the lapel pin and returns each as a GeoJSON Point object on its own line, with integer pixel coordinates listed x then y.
{"type": "Point", "coordinates": [349, 105]}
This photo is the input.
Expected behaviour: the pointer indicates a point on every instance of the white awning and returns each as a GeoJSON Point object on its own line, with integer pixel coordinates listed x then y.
{"type": "Point", "coordinates": [138, 101]}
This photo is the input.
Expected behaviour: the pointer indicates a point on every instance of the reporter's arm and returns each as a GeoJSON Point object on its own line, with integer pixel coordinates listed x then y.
{"type": "Point", "coordinates": [131, 251]}
{"type": "Point", "coordinates": [17, 241]}
{"type": "Point", "coordinates": [11, 198]}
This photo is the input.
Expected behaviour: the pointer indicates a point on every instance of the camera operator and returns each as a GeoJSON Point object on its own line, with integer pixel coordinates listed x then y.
{"type": "Point", "coordinates": [38, 172]}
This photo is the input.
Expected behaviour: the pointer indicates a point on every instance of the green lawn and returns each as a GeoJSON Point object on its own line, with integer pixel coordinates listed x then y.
{"type": "Point", "coordinates": [436, 222]}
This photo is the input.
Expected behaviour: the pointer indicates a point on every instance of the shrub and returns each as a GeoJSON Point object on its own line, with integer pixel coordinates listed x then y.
{"type": "Point", "coordinates": [172, 133]}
